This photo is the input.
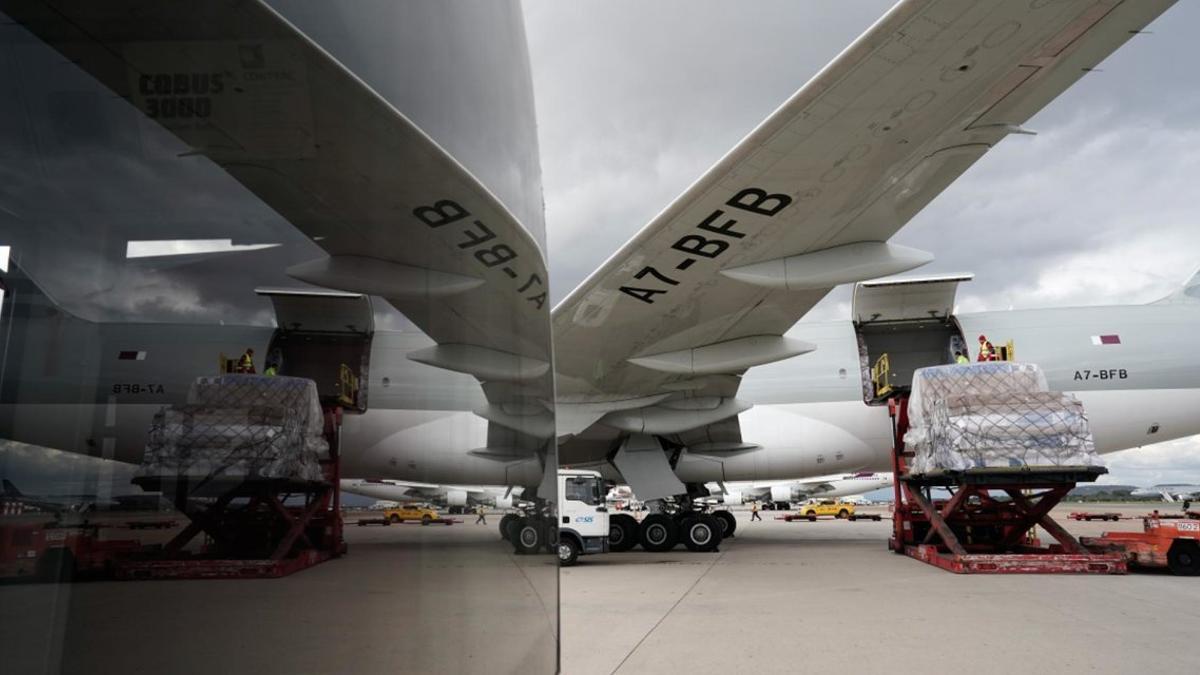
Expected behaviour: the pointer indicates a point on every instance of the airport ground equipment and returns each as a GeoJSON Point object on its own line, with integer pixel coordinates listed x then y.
{"type": "Point", "coordinates": [799, 517]}
{"type": "Point", "coordinates": [49, 551]}
{"type": "Point", "coordinates": [1172, 545]}
{"type": "Point", "coordinates": [264, 509]}
{"type": "Point", "coordinates": [1091, 515]}
{"type": "Point", "coordinates": [984, 525]}
{"type": "Point", "coordinates": [583, 520]}
{"type": "Point", "coordinates": [363, 522]}
{"type": "Point", "coordinates": [407, 513]}
{"type": "Point", "coordinates": [827, 507]}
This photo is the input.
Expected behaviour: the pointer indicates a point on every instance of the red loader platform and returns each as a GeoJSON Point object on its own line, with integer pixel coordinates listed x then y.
{"type": "Point", "coordinates": [984, 526]}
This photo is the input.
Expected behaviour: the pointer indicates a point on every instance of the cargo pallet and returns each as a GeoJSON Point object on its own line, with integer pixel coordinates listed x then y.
{"type": "Point", "coordinates": [977, 531]}
{"type": "Point", "coordinates": [251, 532]}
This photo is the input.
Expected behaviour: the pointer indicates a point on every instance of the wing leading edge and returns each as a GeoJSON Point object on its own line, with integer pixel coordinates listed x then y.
{"type": "Point", "coordinates": [809, 199]}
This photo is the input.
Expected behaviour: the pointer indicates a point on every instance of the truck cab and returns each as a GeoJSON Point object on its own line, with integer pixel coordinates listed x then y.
{"type": "Point", "coordinates": [582, 515]}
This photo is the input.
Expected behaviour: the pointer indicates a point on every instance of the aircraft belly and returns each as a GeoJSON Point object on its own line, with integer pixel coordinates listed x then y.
{"type": "Point", "coordinates": [799, 441]}
{"type": "Point", "coordinates": [430, 447]}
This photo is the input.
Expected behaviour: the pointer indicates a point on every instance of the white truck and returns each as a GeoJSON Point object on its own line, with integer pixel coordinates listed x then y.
{"type": "Point", "coordinates": [582, 525]}
{"type": "Point", "coordinates": [582, 515]}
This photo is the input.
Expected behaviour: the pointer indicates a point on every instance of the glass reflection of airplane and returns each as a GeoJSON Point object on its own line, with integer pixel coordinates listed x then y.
{"type": "Point", "coordinates": [677, 363]}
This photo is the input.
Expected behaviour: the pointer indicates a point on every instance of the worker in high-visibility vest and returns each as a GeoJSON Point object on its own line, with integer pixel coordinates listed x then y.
{"type": "Point", "coordinates": [246, 362]}
{"type": "Point", "coordinates": [986, 351]}
{"type": "Point", "coordinates": [961, 359]}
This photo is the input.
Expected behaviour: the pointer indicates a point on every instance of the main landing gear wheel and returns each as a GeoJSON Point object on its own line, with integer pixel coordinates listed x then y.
{"type": "Point", "coordinates": [1183, 558]}
{"type": "Point", "coordinates": [658, 533]}
{"type": "Point", "coordinates": [728, 523]}
{"type": "Point", "coordinates": [700, 533]}
{"type": "Point", "coordinates": [529, 535]}
{"type": "Point", "coordinates": [622, 532]}
{"type": "Point", "coordinates": [568, 552]}
{"type": "Point", "coordinates": [505, 524]}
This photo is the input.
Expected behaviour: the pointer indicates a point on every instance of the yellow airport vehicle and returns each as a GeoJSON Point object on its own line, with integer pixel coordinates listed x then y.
{"type": "Point", "coordinates": [826, 507]}
{"type": "Point", "coordinates": [424, 514]}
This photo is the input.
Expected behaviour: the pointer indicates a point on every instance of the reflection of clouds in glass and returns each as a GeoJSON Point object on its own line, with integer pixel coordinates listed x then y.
{"type": "Point", "coordinates": [42, 471]}
{"type": "Point", "coordinates": [75, 192]}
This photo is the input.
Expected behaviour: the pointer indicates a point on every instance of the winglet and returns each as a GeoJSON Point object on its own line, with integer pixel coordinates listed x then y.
{"type": "Point", "coordinates": [1188, 292]}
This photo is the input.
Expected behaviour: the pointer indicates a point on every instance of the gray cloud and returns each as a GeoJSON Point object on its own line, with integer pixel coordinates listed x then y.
{"type": "Point", "coordinates": [635, 102]}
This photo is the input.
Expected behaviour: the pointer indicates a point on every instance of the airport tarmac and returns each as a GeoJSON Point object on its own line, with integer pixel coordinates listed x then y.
{"type": "Point", "coordinates": [829, 597]}
{"type": "Point", "coordinates": [779, 597]}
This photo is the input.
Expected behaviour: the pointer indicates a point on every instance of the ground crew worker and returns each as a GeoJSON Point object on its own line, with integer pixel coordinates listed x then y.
{"type": "Point", "coordinates": [961, 358]}
{"type": "Point", "coordinates": [479, 513]}
{"type": "Point", "coordinates": [246, 363]}
{"type": "Point", "coordinates": [754, 512]}
{"type": "Point", "coordinates": [986, 351]}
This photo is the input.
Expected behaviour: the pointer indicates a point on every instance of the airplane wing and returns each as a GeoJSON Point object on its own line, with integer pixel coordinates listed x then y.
{"type": "Point", "coordinates": [395, 215]}
{"type": "Point", "coordinates": [656, 340]}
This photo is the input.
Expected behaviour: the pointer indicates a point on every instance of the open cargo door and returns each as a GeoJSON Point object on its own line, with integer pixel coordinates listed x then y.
{"type": "Point", "coordinates": [902, 325]}
{"type": "Point", "coordinates": [324, 336]}
{"type": "Point", "coordinates": [912, 299]}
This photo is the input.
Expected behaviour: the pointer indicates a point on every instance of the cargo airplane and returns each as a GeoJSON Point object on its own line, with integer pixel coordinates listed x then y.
{"type": "Point", "coordinates": [1170, 492]}
{"type": "Point", "coordinates": [456, 497]}
{"type": "Point", "coordinates": [677, 363]}
{"type": "Point", "coordinates": [782, 494]}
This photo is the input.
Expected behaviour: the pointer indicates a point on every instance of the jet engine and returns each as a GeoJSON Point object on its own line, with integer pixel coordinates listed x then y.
{"type": "Point", "coordinates": [504, 502]}
{"type": "Point", "coordinates": [781, 493]}
{"type": "Point", "coordinates": [732, 497]}
{"type": "Point", "coordinates": [456, 497]}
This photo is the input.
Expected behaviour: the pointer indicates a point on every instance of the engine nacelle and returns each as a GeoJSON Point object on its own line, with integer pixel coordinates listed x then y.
{"type": "Point", "coordinates": [732, 497]}
{"type": "Point", "coordinates": [456, 497]}
{"type": "Point", "coordinates": [781, 493]}
{"type": "Point", "coordinates": [503, 502]}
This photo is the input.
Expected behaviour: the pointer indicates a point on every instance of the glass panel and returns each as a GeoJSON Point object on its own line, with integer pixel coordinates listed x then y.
{"type": "Point", "coordinates": [269, 272]}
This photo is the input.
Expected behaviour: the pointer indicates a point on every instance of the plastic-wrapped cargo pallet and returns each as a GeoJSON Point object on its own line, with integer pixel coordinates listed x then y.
{"type": "Point", "coordinates": [994, 414]}
{"type": "Point", "coordinates": [240, 426]}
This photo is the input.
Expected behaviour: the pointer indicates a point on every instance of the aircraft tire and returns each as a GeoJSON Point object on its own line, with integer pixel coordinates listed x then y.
{"type": "Point", "coordinates": [728, 522]}
{"type": "Point", "coordinates": [1183, 558]}
{"type": "Point", "coordinates": [505, 522]}
{"type": "Point", "coordinates": [622, 532]}
{"type": "Point", "coordinates": [716, 527]}
{"type": "Point", "coordinates": [700, 533]}
{"type": "Point", "coordinates": [658, 532]}
{"type": "Point", "coordinates": [529, 535]}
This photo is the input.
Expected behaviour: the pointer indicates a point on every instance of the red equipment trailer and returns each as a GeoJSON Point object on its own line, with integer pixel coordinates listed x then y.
{"type": "Point", "coordinates": [984, 526]}
{"type": "Point", "coordinates": [1089, 516]}
{"type": "Point", "coordinates": [54, 552]}
{"type": "Point", "coordinates": [251, 530]}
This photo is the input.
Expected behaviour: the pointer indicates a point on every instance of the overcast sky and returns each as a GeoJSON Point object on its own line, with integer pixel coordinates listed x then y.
{"type": "Point", "coordinates": [636, 100]}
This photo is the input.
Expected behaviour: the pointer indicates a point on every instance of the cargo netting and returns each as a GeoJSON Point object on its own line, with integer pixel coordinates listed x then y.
{"type": "Point", "coordinates": [242, 427]}
{"type": "Point", "coordinates": [994, 414]}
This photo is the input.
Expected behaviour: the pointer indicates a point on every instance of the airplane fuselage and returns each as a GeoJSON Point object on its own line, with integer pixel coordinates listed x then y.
{"type": "Point", "coordinates": [809, 416]}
